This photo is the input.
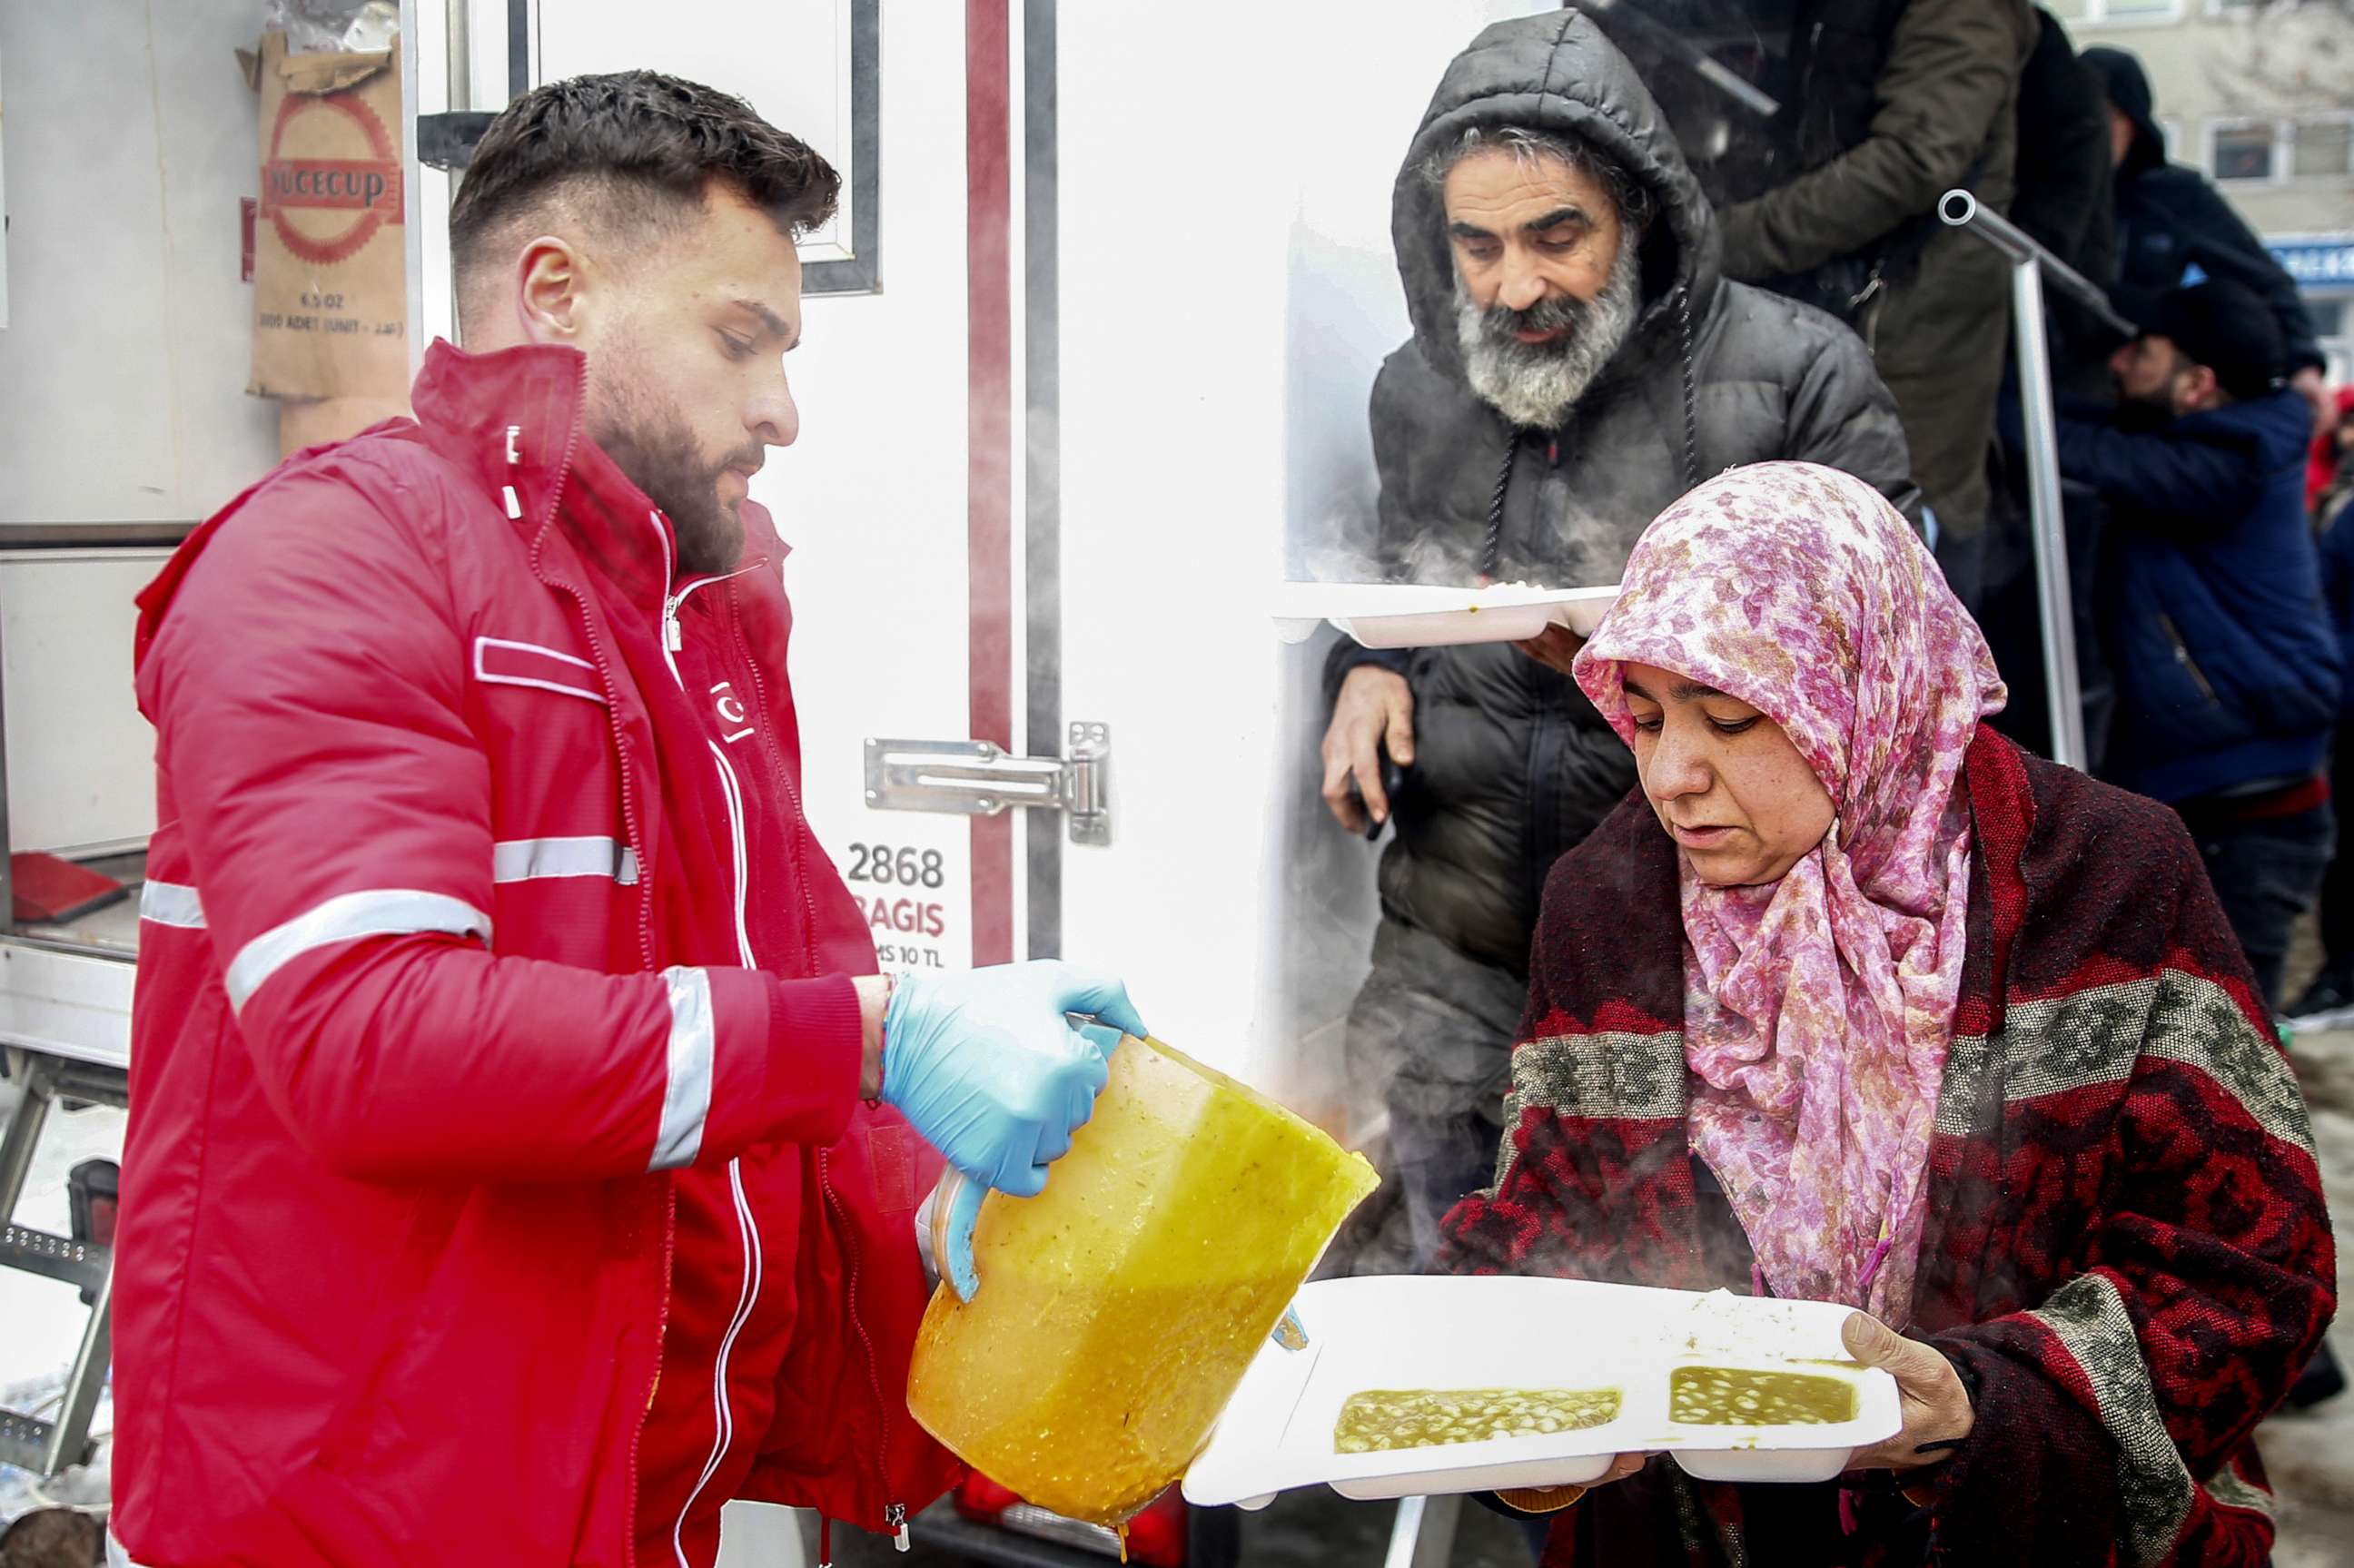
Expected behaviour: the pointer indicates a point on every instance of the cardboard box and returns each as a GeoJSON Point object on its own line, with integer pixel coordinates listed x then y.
{"type": "Point", "coordinates": [312, 422]}
{"type": "Point", "coordinates": [330, 285]}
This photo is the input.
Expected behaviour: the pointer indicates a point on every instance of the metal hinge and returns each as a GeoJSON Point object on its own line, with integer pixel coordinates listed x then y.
{"type": "Point", "coordinates": [977, 778]}
{"type": "Point", "coordinates": [447, 140]}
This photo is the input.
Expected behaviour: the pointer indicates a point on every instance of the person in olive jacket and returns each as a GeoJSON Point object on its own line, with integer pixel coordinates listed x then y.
{"type": "Point", "coordinates": [1888, 105]}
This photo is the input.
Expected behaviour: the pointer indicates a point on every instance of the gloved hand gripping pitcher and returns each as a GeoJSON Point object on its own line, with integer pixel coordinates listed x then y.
{"type": "Point", "coordinates": [993, 1068]}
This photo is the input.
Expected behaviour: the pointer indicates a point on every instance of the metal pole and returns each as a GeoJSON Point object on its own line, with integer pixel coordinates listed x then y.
{"type": "Point", "coordinates": [1960, 209]}
{"type": "Point", "coordinates": [2054, 598]}
{"type": "Point", "coordinates": [69, 1442]}
{"type": "Point", "coordinates": [458, 52]}
{"type": "Point", "coordinates": [23, 1131]}
{"type": "Point", "coordinates": [2055, 603]}
{"type": "Point", "coordinates": [1423, 1533]}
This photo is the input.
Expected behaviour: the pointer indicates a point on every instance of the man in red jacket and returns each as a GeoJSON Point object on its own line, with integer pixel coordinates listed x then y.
{"type": "Point", "coordinates": [524, 1154]}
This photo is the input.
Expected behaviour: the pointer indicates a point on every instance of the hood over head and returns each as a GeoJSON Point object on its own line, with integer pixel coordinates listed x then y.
{"type": "Point", "coordinates": [2127, 85]}
{"type": "Point", "coordinates": [1555, 71]}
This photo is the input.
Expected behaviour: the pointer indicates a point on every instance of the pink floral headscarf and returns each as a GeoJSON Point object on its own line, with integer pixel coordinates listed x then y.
{"type": "Point", "coordinates": [1818, 1009]}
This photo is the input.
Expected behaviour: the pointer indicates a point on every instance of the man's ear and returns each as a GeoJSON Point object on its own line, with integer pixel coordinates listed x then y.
{"type": "Point", "coordinates": [2198, 389]}
{"type": "Point", "coordinates": [550, 288]}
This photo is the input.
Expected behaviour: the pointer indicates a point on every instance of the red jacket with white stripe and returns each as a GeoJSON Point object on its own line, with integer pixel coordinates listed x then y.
{"type": "Point", "coordinates": [495, 1188]}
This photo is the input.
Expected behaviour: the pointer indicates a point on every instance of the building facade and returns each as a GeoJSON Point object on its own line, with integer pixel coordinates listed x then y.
{"type": "Point", "coordinates": [2260, 95]}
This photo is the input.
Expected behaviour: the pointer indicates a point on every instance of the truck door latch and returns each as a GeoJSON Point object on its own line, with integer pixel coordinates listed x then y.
{"type": "Point", "coordinates": [978, 779]}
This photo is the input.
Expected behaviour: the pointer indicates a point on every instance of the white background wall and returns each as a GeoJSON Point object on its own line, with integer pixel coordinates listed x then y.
{"type": "Point", "coordinates": [784, 55]}
{"type": "Point", "coordinates": [80, 759]}
{"type": "Point", "coordinates": [122, 368]}
{"type": "Point", "coordinates": [872, 498]}
{"type": "Point", "coordinates": [131, 137]}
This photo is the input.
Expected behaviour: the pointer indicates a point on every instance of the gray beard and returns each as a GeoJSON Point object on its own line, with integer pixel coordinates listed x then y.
{"type": "Point", "coordinates": [1536, 385]}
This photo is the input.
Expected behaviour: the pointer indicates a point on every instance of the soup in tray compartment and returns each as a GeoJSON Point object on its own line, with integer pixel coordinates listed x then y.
{"type": "Point", "coordinates": [1383, 1419]}
{"type": "Point", "coordinates": [1732, 1396]}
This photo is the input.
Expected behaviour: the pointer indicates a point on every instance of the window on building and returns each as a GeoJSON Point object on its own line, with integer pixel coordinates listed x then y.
{"type": "Point", "coordinates": [2323, 147]}
{"type": "Point", "coordinates": [2327, 316]}
{"type": "Point", "coordinates": [2241, 150]}
{"type": "Point", "coordinates": [2097, 11]}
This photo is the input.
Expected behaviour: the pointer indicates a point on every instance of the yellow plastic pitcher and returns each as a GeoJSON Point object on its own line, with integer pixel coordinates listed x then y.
{"type": "Point", "coordinates": [1118, 1309]}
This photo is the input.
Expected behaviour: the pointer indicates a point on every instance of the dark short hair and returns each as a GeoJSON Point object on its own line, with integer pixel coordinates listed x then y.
{"type": "Point", "coordinates": [1632, 197]}
{"type": "Point", "coordinates": [633, 154]}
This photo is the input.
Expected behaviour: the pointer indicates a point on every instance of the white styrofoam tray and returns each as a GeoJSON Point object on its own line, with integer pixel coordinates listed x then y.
{"type": "Point", "coordinates": [1412, 615]}
{"type": "Point", "coordinates": [1408, 1332]}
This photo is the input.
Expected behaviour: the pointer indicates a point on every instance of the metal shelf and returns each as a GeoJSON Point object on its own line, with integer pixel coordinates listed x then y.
{"type": "Point", "coordinates": [45, 1447]}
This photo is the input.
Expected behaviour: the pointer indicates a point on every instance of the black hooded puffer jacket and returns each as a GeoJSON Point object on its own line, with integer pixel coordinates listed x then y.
{"type": "Point", "coordinates": [1512, 765]}
{"type": "Point", "coordinates": [2174, 225]}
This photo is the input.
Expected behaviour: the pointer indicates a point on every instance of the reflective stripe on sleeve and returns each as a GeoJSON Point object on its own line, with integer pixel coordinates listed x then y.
{"type": "Point", "coordinates": [170, 904]}
{"type": "Point", "coordinates": [378, 912]}
{"type": "Point", "coordinates": [527, 859]}
{"type": "Point", "coordinates": [687, 1094]}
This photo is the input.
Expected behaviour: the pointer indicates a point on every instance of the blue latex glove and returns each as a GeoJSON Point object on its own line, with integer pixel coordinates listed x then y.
{"type": "Point", "coordinates": [986, 1066]}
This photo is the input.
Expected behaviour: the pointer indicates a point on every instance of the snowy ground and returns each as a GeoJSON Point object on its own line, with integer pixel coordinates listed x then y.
{"type": "Point", "coordinates": [2310, 1455]}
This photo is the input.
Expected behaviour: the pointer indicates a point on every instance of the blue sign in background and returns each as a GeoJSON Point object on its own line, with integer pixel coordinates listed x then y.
{"type": "Point", "coordinates": [2319, 263]}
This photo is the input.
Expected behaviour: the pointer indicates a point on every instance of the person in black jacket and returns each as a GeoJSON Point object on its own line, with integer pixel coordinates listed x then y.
{"type": "Point", "coordinates": [2064, 203]}
{"type": "Point", "coordinates": [2174, 229]}
{"type": "Point", "coordinates": [2066, 195]}
{"type": "Point", "coordinates": [1576, 363]}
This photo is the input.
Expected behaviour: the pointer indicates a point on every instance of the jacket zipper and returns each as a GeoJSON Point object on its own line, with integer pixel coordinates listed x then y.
{"type": "Point", "coordinates": [776, 766]}
{"type": "Point", "coordinates": [1541, 816]}
{"type": "Point", "coordinates": [723, 1436]}
{"type": "Point", "coordinates": [731, 788]}
{"type": "Point", "coordinates": [674, 637]}
{"type": "Point", "coordinates": [2182, 657]}
{"type": "Point", "coordinates": [612, 689]}
{"type": "Point", "coordinates": [894, 1514]}
{"type": "Point", "coordinates": [645, 910]}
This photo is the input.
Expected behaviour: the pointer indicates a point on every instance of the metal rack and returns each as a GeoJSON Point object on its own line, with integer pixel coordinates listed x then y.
{"type": "Point", "coordinates": [65, 1033]}
{"type": "Point", "coordinates": [28, 1442]}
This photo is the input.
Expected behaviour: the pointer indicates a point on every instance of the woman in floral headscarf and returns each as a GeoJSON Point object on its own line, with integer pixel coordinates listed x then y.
{"type": "Point", "coordinates": [1856, 1002]}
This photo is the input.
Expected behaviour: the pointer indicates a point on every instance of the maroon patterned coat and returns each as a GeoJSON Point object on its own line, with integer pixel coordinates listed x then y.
{"type": "Point", "coordinates": [2127, 1258]}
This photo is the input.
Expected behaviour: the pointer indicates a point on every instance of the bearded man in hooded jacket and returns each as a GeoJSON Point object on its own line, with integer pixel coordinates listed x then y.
{"type": "Point", "coordinates": [1577, 362]}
